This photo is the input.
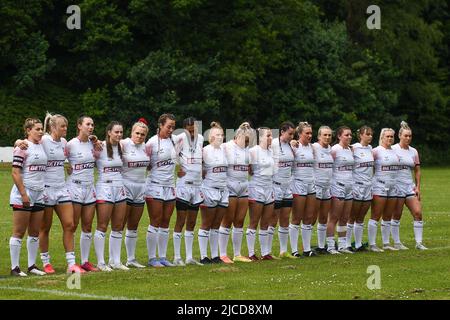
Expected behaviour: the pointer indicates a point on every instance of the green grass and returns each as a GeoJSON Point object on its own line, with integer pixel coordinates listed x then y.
{"type": "Point", "coordinates": [404, 275]}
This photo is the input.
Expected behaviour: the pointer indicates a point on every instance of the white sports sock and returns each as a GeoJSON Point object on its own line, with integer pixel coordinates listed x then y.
{"type": "Point", "coordinates": [130, 244]}
{"type": "Point", "coordinates": [15, 244]}
{"type": "Point", "coordinates": [358, 230]}
{"type": "Point", "coordinates": [85, 246]}
{"type": "Point", "coordinates": [293, 237]}
{"type": "Point", "coordinates": [349, 234]}
{"type": "Point", "coordinates": [270, 232]}
{"type": "Point", "coordinates": [321, 235]}
{"type": "Point", "coordinates": [45, 258]}
{"type": "Point", "coordinates": [263, 241]}
{"type": "Point", "coordinates": [152, 241]}
{"type": "Point", "coordinates": [177, 244]}
{"type": "Point", "coordinates": [33, 247]}
{"type": "Point", "coordinates": [251, 237]}
{"type": "Point", "coordinates": [224, 235]}
{"type": "Point", "coordinates": [385, 231]}
{"type": "Point", "coordinates": [115, 245]}
{"type": "Point", "coordinates": [188, 242]}
{"type": "Point", "coordinates": [163, 239]}
{"type": "Point", "coordinates": [236, 237]}
{"type": "Point", "coordinates": [418, 231]}
{"type": "Point", "coordinates": [70, 258]}
{"type": "Point", "coordinates": [214, 242]}
{"type": "Point", "coordinates": [99, 246]}
{"type": "Point", "coordinates": [306, 236]}
{"type": "Point", "coordinates": [395, 230]}
{"type": "Point", "coordinates": [283, 235]}
{"type": "Point", "coordinates": [203, 237]}
{"type": "Point", "coordinates": [330, 243]}
{"type": "Point", "coordinates": [372, 229]}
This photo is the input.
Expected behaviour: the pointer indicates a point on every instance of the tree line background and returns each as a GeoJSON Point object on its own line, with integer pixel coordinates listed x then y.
{"type": "Point", "coordinates": [265, 61]}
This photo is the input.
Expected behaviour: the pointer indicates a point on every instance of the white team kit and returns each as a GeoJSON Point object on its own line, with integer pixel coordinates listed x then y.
{"type": "Point", "coordinates": [214, 185]}
{"type": "Point", "coordinates": [56, 191]}
{"type": "Point", "coordinates": [33, 163]}
{"type": "Point", "coordinates": [323, 171]}
{"type": "Point", "coordinates": [362, 172]}
{"type": "Point", "coordinates": [283, 155]}
{"type": "Point", "coordinates": [190, 157]}
{"type": "Point", "coordinates": [109, 186]}
{"type": "Point", "coordinates": [135, 162]}
{"type": "Point", "coordinates": [81, 181]}
{"type": "Point", "coordinates": [408, 159]}
{"type": "Point", "coordinates": [160, 184]}
{"type": "Point", "coordinates": [342, 182]}
{"type": "Point", "coordinates": [386, 169]}
{"type": "Point", "coordinates": [237, 173]}
{"type": "Point", "coordinates": [263, 166]}
{"type": "Point", "coordinates": [303, 183]}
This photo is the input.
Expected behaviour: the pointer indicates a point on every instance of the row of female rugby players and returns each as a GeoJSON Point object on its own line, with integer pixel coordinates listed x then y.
{"type": "Point", "coordinates": [332, 185]}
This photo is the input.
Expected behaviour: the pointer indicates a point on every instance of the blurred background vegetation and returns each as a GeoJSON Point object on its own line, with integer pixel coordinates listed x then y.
{"type": "Point", "coordinates": [265, 61]}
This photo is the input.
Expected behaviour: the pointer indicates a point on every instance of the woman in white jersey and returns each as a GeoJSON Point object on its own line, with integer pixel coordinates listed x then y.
{"type": "Point", "coordinates": [80, 153]}
{"type": "Point", "coordinates": [408, 192]}
{"type": "Point", "coordinates": [135, 162]}
{"type": "Point", "coordinates": [282, 178]}
{"type": "Point", "coordinates": [27, 197]}
{"type": "Point", "coordinates": [323, 172]}
{"type": "Point", "coordinates": [383, 190]}
{"type": "Point", "coordinates": [261, 195]}
{"type": "Point", "coordinates": [160, 189]}
{"type": "Point", "coordinates": [111, 205]}
{"type": "Point", "coordinates": [56, 195]}
{"type": "Point", "coordinates": [341, 191]}
{"type": "Point", "coordinates": [362, 187]}
{"type": "Point", "coordinates": [303, 190]}
{"type": "Point", "coordinates": [189, 146]}
{"type": "Point", "coordinates": [237, 173]}
{"type": "Point", "coordinates": [215, 191]}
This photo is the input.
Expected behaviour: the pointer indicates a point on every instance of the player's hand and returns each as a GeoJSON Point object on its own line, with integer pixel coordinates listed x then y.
{"type": "Point", "coordinates": [69, 170]}
{"type": "Point", "coordinates": [181, 173]}
{"type": "Point", "coordinates": [294, 143]}
{"type": "Point", "coordinates": [417, 192]}
{"type": "Point", "coordinates": [25, 201]}
{"type": "Point", "coordinates": [22, 144]}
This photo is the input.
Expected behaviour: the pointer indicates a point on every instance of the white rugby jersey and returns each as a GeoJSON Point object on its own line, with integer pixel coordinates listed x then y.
{"type": "Point", "coordinates": [323, 165]}
{"type": "Point", "coordinates": [386, 163]}
{"type": "Point", "coordinates": [135, 161]}
{"type": "Point", "coordinates": [33, 163]}
{"type": "Point", "coordinates": [54, 176]}
{"type": "Point", "coordinates": [284, 159]}
{"type": "Point", "coordinates": [163, 159]}
{"type": "Point", "coordinates": [363, 169]}
{"type": "Point", "coordinates": [190, 157]}
{"type": "Point", "coordinates": [408, 159]}
{"type": "Point", "coordinates": [263, 167]}
{"type": "Point", "coordinates": [343, 163]}
{"type": "Point", "coordinates": [238, 161]}
{"type": "Point", "coordinates": [215, 164]}
{"type": "Point", "coordinates": [304, 163]}
{"type": "Point", "coordinates": [81, 159]}
{"type": "Point", "coordinates": [109, 169]}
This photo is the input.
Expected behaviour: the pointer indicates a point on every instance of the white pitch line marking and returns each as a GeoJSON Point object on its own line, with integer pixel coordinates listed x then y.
{"type": "Point", "coordinates": [66, 294]}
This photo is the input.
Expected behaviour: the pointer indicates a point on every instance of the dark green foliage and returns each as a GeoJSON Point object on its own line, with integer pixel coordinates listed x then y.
{"type": "Point", "coordinates": [260, 60]}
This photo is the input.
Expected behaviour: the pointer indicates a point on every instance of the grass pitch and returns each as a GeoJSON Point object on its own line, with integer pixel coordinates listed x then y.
{"type": "Point", "coordinates": [404, 275]}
